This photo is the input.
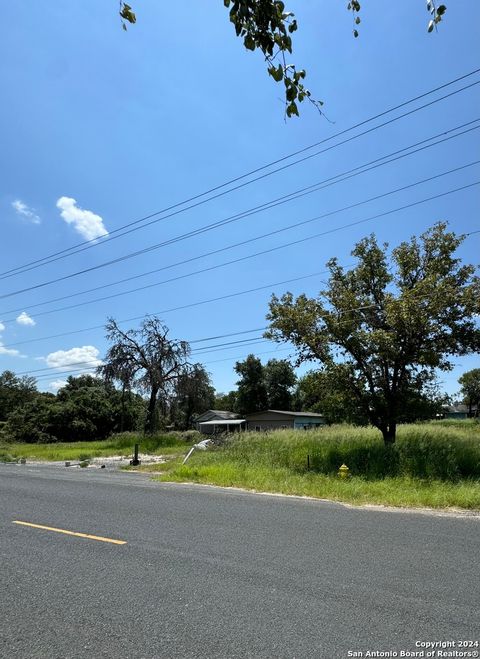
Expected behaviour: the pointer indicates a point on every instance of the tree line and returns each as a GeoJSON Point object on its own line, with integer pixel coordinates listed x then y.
{"type": "Point", "coordinates": [275, 386]}
{"type": "Point", "coordinates": [92, 407]}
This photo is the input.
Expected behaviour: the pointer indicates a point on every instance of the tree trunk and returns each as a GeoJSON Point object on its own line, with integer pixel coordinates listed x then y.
{"type": "Point", "coordinates": [389, 432]}
{"type": "Point", "coordinates": [189, 414]}
{"type": "Point", "coordinates": [151, 420]}
{"type": "Point", "coordinates": [122, 413]}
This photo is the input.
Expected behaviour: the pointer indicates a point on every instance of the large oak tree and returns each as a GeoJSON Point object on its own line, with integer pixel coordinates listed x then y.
{"type": "Point", "coordinates": [386, 325]}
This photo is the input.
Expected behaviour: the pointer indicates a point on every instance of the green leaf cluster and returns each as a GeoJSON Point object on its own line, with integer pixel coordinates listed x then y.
{"type": "Point", "coordinates": [262, 387]}
{"type": "Point", "coordinates": [193, 395]}
{"type": "Point", "coordinates": [267, 26]}
{"type": "Point", "coordinates": [354, 7]}
{"type": "Point", "coordinates": [470, 390]}
{"type": "Point", "coordinates": [86, 409]}
{"type": "Point", "coordinates": [14, 392]}
{"type": "Point", "coordinates": [436, 12]}
{"type": "Point", "coordinates": [127, 14]}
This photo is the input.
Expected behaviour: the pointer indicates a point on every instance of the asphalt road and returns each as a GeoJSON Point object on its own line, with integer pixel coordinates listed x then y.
{"type": "Point", "coordinates": [212, 573]}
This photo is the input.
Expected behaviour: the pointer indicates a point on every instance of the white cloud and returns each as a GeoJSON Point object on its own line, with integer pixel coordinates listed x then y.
{"type": "Point", "coordinates": [9, 351]}
{"type": "Point", "coordinates": [87, 224]}
{"type": "Point", "coordinates": [25, 211]}
{"type": "Point", "coordinates": [82, 356]}
{"type": "Point", "coordinates": [57, 384]}
{"type": "Point", "coordinates": [25, 319]}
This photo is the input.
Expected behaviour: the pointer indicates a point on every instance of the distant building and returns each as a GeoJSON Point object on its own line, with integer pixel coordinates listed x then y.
{"type": "Point", "coordinates": [219, 421]}
{"type": "Point", "coordinates": [216, 421]}
{"type": "Point", "coordinates": [277, 419]}
{"type": "Point", "coordinates": [456, 411]}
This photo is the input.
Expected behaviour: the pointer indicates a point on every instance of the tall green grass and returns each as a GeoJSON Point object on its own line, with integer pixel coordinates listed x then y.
{"type": "Point", "coordinates": [421, 451]}
{"type": "Point", "coordinates": [430, 465]}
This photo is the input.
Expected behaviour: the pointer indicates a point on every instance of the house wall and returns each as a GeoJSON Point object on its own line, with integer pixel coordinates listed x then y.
{"type": "Point", "coordinates": [205, 430]}
{"type": "Point", "coordinates": [220, 428]}
{"type": "Point", "coordinates": [269, 424]}
{"type": "Point", "coordinates": [269, 421]}
{"type": "Point", "coordinates": [456, 415]}
{"type": "Point", "coordinates": [311, 422]}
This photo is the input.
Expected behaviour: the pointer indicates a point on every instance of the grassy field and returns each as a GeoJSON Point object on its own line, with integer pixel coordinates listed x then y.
{"type": "Point", "coordinates": [434, 465]}
{"type": "Point", "coordinates": [121, 444]}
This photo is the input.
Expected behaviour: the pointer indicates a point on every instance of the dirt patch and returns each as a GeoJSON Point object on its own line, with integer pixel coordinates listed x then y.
{"type": "Point", "coordinates": [111, 462]}
{"type": "Point", "coordinates": [122, 460]}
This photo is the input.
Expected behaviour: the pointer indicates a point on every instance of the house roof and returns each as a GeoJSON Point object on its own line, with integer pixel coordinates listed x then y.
{"type": "Point", "coordinates": [461, 408]}
{"type": "Point", "coordinates": [296, 413]}
{"type": "Point", "coordinates": [287, 413]}
{"type": "Point", "coordinates": [219, 414]}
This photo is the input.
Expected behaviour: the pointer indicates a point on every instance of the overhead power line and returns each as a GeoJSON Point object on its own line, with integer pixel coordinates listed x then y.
{"type": "Point", "coordinates": [156, 313]}
{"type": "Point", "coordinates": [224, 336]}
{"type": "Point", "coordinates": [93, 363]}
{"type": "Point", "coordinates": [30, 307]}
{"type": "Point", "coordinates": [211, 348]}
{"type": "Point", "coordinates": [83, 371]}
{"type": "Point", "coordinates": [74, 371]}
{"type": "Point", "coordinates": [90, 363]}
{"type": "Point", "coordinates": [120, 231]}
{"type": "Point", "coordinates": [266, 206]}
{"type": "Point", "coordinates": [257, 354]}
{"type": "Point", "coordinates": [254, 255]}
{"type": "Point", "coordinates": [228, 344]}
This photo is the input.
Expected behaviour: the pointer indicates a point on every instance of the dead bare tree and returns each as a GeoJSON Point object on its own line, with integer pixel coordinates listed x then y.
{"type": "Point", "coordinates": [145, 359]}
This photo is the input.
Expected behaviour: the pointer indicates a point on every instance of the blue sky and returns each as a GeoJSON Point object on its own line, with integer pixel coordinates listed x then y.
{"type": "Point", "coordinates": [100, 127]}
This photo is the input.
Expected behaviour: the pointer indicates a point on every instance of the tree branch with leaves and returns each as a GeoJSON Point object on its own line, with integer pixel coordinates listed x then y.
{"type": "Point", "coordinates": [267, 26]}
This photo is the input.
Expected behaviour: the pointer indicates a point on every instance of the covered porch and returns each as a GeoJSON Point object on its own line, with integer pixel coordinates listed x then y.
{"type": "Point", "coordinates": [216, 426]}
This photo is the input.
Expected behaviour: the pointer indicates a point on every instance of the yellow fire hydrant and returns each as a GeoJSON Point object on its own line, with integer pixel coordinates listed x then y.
{"type": "Point", "coordinates": [344, 471]}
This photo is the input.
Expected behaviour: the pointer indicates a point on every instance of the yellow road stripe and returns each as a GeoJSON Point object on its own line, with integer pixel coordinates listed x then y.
{"type": "Point", "coordinates": [79, 535]}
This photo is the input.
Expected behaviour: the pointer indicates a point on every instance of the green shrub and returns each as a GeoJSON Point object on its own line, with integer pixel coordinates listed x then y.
{"type": "Point", "coordinates": [152, 443]}
{"type": "Point", "coordinates": [6, 457]}
{"type": "Point", "coordinates": [191, 436]}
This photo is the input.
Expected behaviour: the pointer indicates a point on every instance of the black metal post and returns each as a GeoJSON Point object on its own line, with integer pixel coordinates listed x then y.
{"type": "Point", "coordinates": [308, 462]}
{"type": "Point", "coordinates": [135, 462]}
